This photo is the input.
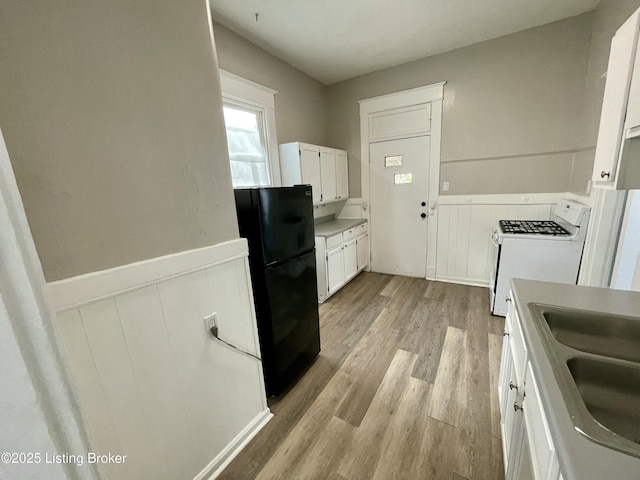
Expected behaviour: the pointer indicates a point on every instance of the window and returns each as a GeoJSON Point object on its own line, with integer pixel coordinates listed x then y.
{"type": "Point", "coordinates": [249, 115]}
{"type": "Point", "coordinates": [246, 141]}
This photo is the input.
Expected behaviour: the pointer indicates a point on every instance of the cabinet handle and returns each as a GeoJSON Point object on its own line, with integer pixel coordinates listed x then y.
{"type": "Point", "coordinates": [506, 334]}
{"type": "Point", "coordinates": [512, 386]}
{"type": "Point", "coordinates": [605, 174]}
{"type": "Point", "coordinates": [507, 299]}
{"type": "Point", "coordinates": [517, 407]}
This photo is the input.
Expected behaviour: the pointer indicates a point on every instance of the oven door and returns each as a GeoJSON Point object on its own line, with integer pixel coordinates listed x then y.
{"type": "Point", "coordinates": [494, 261]}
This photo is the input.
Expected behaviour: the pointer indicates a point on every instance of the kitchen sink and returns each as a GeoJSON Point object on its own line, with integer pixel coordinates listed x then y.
{"type": "Point", "coordinates": [596, 361]}
{"type": "Point", "coordinates": [608, 335]}
{"type": "Point", "coordinates": [611, 394]}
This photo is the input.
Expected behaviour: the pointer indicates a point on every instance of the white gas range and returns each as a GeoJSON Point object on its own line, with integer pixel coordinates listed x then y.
{"type": "Point", "coordinates": [548, 250]}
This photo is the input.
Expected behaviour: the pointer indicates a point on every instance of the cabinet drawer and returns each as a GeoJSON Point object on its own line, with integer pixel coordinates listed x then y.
{"type": "Point", "coordinates": [334, 241]}
{"type": "Point", "coordinates": [361, 229]}
{"type": "Point", "coordinates": [349, 234]}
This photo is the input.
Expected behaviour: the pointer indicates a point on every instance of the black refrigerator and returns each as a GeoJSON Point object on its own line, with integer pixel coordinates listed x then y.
{"type": "Point", "coordinates": [278, 224]}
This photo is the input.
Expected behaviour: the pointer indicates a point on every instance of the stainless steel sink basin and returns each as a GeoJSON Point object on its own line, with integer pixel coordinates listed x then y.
{"type": "Point", "coordinates": [596, 361]}
{"type": "Point", "coordinates": [608, 335]}
{"type": "Point", "coordinates": [611, 394]}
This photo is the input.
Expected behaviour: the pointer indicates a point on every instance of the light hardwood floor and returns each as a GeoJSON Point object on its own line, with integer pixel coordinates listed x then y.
{"type": "Point", "coordinates": [404, 388]}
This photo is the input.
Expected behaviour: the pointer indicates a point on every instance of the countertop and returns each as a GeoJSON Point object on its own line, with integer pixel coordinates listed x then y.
{"type": "Point", "coordinates": [333, 227]}
{"type": "Point", "coordinates": [579, 458]}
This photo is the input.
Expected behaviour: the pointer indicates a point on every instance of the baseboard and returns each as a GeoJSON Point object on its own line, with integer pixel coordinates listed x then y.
{"type": "Point", "coordinates": [464, 281]}
{"type": "Point", "coordinates": [72, 292]}
{"type": "Point", "coordinates": [231, 451]}
{"type": "Point", "coordinates": [431, 273]}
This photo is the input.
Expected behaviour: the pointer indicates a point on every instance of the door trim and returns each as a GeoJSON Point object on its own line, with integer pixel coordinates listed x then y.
{"type": "Point", "coordinates": [369, 107]}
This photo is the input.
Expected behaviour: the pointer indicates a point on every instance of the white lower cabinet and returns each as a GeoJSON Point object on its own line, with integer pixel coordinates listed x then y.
{"type": "Point", "coordinates": [362, 248]}
{"type": "Point", "coordinates": [350, 259]}
{"type": "Point", "coordinates": [339, 258]}
{"type": "Point", "coordinates": [335, 269]}
{"type": "Point", "coordinates": [526, 441]}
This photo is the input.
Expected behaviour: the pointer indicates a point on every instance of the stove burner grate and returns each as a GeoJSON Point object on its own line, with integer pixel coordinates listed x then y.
{"type": "Point", "coordinates": [532, 227]}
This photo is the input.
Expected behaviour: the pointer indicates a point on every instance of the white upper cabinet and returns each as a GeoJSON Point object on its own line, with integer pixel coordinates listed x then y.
{"type": "Point", "coordinates": [328, 173]}
{"type": "Point", "coordinates": [632, 121]}
{"type": "Point", "coordinates": [342, 175]}
{"type": "Point", "coordinates": [300, 164]}
{"type": "Point", "coordinates": [323, 167]}
{"type": "Point", "coordinates": [619, 111]}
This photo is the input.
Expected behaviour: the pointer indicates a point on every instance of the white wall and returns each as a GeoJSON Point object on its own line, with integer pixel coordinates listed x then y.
{"type": "Point", "coordinates": [152, 382]}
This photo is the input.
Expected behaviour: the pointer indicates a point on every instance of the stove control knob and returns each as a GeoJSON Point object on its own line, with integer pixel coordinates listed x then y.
{"type": "Point", "coordinates": [424, 204]}
{"type": "Point", "coordinates": [423, 215]}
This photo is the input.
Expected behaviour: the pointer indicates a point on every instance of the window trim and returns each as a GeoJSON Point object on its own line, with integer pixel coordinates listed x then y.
{"type": "Point", "coordinates": [244, 92]}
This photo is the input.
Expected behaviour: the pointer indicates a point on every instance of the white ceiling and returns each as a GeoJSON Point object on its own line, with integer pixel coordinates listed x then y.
{"type": "Point", "coordinates": [333, 40]}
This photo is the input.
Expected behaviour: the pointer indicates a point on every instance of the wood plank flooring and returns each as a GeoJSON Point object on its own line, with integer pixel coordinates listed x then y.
{"type": "Point", "coordinates": [404, 388]}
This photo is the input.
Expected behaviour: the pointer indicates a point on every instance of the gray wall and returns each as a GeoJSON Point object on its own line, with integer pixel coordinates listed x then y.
{"type": "Point", "coordinates": [300, 101]}
{"type": "Point", "coordinates": [512, 109]}
{"type": "Point", "coordinates": [607, 18]}
{"type": "Point", "coordinates": [112, 116]}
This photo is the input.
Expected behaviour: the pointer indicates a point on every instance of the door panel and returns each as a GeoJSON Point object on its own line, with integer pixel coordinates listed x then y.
{"type": "Point", "coordinates": [399, 179]}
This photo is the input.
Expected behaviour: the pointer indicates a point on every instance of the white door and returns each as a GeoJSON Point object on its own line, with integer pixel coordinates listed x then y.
{"type": "Point", "coordinates": [399, 171]}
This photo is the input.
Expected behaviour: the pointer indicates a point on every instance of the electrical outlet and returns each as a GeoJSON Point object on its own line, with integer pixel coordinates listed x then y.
{"type": "Point", "coordinates": [211, 321]}
{"type": "Point", "coordinates": [445, 186]}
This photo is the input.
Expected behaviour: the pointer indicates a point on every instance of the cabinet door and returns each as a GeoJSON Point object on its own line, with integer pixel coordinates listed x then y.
{"type": "Point", "coordinates": [335, 269]}
{"type": "Point", "coordinates": [310, 166]}
{"type": "Point", "coordinates": [362, 246]}
{"type": "Point", "coordinates": [511, 422]}
{"type": "Point", "coordinates": [321, 269]}
{"type": "Point", "coordinates": [633, 106]}
{"type": "Point", "coordinates": [342, 175]}
{"type": "Point", "coordinates": [328, 175]}
{"type": "Point", "coordinates": [543, 456]}
{"type": "Point", "coordinates": [350, 259]}
{"type": "Point", "coordinates": [614, 104]}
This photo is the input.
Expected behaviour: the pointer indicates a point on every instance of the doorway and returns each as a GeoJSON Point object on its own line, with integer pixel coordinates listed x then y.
{"type": "Point", "coordinates": [400, 164]}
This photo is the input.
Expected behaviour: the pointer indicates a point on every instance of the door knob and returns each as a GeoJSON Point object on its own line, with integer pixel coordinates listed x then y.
{"type": "Point", "coordinates": [424, 204]}
{"type": "Point", "coordinates": [423, 215]}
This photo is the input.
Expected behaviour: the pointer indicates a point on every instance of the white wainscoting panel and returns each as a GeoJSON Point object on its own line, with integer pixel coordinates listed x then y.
{"type": "Point", "coordinates": [465, 224]}
{"type": "Point", "coordinates": [152, 382]}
